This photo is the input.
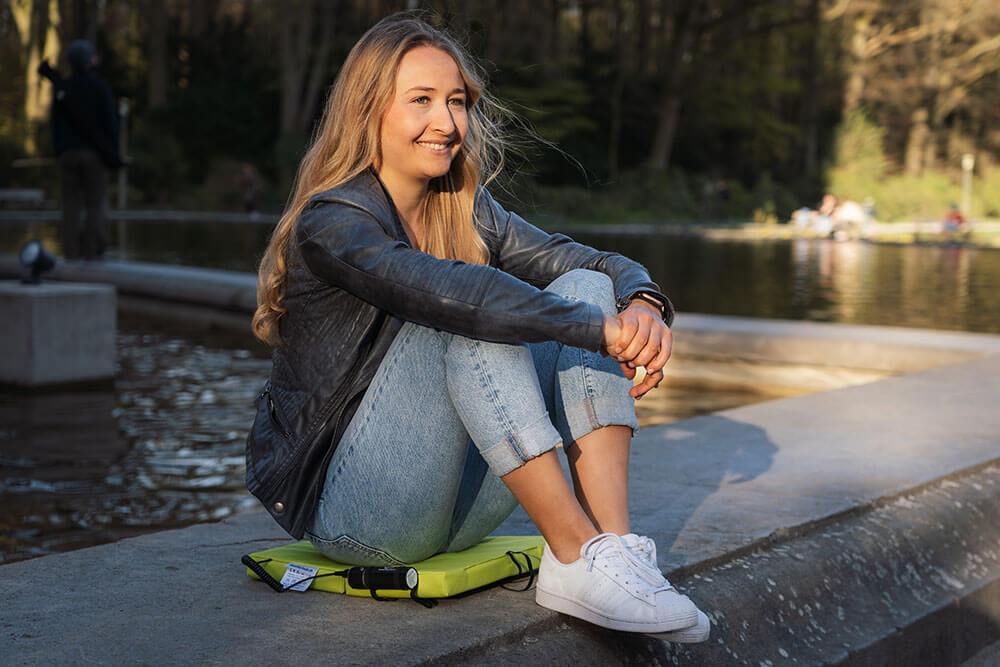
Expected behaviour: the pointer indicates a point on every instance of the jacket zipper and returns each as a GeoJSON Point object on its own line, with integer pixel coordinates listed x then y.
{"type": "Point", "coordinates": [275, 418]}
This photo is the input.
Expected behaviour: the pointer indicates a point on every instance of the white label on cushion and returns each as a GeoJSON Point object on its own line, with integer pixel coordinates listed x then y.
{"type": "Point", "coordinates": [296, 573]}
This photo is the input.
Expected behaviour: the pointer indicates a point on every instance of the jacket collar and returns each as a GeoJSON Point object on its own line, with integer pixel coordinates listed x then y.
{"type": "Point", "coordinates": [367, 192]}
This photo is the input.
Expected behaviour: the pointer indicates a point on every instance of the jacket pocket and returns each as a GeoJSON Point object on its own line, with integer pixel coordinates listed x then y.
{"type": "Point", "coordinates": [276, 420]}
{"type": "Point", "coordinates": [269, 444]}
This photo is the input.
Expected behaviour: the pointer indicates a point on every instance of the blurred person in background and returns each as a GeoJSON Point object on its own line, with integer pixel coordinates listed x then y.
{"type": "Point", "coordinates": [85, 139]}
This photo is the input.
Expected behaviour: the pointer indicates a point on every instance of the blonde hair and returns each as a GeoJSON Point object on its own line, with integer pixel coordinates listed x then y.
{"type": "Point", "coordinates": [347, 142]}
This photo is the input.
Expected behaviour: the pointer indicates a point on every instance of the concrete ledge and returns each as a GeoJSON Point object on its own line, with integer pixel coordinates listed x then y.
{"type": "Point", "coordinates": [872, 589]}
{"type": "Point", "coordinates": [808, 500]}
{"type": "Point", "coordinates": [223, 290]}
{"type": "Point", "coordinates": [873, 509]}
{"type": "Point", "coordinates": [883, 349]}
{"type": "Point", "coordinates": [869, 349]}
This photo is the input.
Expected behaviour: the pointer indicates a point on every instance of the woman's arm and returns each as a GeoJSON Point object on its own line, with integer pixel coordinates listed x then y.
{"type": "Point", "coordinates": [346, 246]}
{"type": "Point", "coordinates": [538, 257]}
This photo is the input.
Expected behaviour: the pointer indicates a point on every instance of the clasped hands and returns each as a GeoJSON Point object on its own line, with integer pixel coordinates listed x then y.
{"type": "Point", "coordinates": [635, 337]}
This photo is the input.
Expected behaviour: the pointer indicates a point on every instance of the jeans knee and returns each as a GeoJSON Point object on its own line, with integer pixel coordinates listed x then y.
{"type": "Point", "coordinates": [586, 285]}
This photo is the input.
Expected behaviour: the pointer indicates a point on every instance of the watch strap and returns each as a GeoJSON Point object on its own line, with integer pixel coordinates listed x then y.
{"type": "Point", "coordinates": [666, 310]}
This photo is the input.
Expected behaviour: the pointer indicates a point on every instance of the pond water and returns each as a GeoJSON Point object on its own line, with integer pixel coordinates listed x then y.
{"type": "Point", "coordinates": [161, 447]}
{"type": "Point", "coordinates": [857, 282]}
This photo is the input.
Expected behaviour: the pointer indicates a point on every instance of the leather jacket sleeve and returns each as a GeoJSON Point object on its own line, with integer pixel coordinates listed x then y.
{"type": "Point", "coordinates": [345, 246]}
{"type": "Point", "coordinates": [538, 257]}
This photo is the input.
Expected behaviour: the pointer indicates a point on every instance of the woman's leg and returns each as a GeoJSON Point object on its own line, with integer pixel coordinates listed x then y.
{"type": "Point", "coordinates": [404, 478]}
{"type": "Point", "coordinates": [371, 512]}
{"type": "Point", "coordinates": [586, 396]}
{"type": "Point", "coordinates": [392, 483]}
{"type": "Point", "coordinates": [592, 409]}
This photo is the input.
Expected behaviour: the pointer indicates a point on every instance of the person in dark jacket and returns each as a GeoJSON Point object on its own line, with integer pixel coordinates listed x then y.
{"type": "Point", "coordinates": [85, 139]}
{"type": "Point", "coordinates": [433, 350]}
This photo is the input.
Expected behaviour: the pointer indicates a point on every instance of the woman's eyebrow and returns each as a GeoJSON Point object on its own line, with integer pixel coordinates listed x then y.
{"type": "Point", "coordinates": [432, 89]}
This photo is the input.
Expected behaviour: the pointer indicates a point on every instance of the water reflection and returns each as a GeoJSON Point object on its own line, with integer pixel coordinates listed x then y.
{"type": "Point", "coordinates": [920, 286]}
{"type": "Point", "coordinates": [826, 281]}
{"type": "Point", "coordinates": [163, 447]}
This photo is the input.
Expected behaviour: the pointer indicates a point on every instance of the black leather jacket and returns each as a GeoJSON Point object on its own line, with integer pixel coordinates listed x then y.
{"type": "Point", "coordinates": [353, 279]}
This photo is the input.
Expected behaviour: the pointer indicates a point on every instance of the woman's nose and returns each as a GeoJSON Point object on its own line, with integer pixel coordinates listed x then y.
{"type": "Point", "coordinates": [442, 120]}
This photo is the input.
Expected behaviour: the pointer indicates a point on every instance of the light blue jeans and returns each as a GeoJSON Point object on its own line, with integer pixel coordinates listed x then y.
{"type": "Point", "coordinates": [418, 469]}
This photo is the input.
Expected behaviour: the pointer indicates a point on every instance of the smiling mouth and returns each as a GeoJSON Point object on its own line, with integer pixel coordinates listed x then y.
{"type": "Point", "coordinates": [437, 147]}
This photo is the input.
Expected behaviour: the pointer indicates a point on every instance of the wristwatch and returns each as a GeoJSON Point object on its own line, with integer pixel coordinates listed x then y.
{"type": "Point", "coordinates": [655, 298]}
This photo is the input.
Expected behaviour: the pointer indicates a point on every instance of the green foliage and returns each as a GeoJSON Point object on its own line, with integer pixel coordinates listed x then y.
{"type": "Point", "coordinates": [986, 195]}
{"type": "Point", "coordinates": [858, 154]}
{"type": "Point", "coordinates": [861, 170]}
{"type": "Point", "coordinates": [759, 92]}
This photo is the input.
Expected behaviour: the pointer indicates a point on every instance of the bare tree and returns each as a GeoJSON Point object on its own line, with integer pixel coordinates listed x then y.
{"type": "Point", "coordinates": [156, 37]}
{"type": "Point", "coordinates": [306, 31]}
{"type": "Point", "coordinates": [37, 24]}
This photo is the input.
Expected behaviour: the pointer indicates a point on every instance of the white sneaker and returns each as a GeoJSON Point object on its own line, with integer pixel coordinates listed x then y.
{"type": "Point", "coordinates": [606, 587]}
{"type": "Point", "coordinates": [645, 549]}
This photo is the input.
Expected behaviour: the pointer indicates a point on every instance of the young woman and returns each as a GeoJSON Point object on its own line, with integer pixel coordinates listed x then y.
{"type": "Point", "coordinates": [432, 350]}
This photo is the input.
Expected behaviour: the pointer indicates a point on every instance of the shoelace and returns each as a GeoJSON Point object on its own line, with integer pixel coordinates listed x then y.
{"type": "Point", "coordinates": [609, 549]}
{"type": "Point", "coordinates": [646, 561]}
{"type": "Point", "coordinates": [647, 547]}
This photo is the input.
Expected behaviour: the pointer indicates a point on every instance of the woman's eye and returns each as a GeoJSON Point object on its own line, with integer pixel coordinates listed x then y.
{"type": "Point", "coordinates": [422, 98]}
{"type": "Point", "coordinates": [461, 102]}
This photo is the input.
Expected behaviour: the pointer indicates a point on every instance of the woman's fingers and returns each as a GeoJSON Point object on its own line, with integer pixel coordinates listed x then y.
{"type": "Point", "coordinates": [653, 357]}
{"type": "Point", "coordinates": [645, 341]}
{"type": "Point", "coordinates": [649, 382]}
{"type": "Point", "coordinates": [612, 333]}
{"type": "Point", "coordinates": [659, 359]}
{"type": "Point", "coordinates": [628, 326]}
{"type": "Point", "coordinates": [635, 333]}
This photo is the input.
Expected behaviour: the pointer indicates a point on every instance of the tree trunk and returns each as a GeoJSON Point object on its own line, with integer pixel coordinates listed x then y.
{"type": "Point", "coordinates": [916, 142]}
{"type": "Point", "coordinates": [935, 83]}
{"type": "Point", "coordinates": [813, 89]}
{"type": "Point", "coordinates": [549, 47]}
{"type": "Point", "coordinates": [617, 91]}
{"type": "Point", "coordinates": [855, 89]}
{"type": "Point", "coordinates": [643, 21]}
{"type": "Point", "coordinates": [682, 38]}
{"type": "Point", "coordinates": [586, 55]}
{"type": "Point", "coordinates": [36, 22]}
{"type": "Point", "coordinates": [305, 38]}
{"type": "Point", "coordinates": [156, 37]}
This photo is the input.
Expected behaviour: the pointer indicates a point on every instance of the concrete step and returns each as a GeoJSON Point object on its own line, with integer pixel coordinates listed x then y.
{"type": "Point", "coordinates": [873, 509]}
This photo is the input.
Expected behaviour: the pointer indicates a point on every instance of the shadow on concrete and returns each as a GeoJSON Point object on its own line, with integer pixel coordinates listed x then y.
{"type": "Point", "coordinates": [678, 470]}
{"type": "Point", "coordinates": [675, 472]}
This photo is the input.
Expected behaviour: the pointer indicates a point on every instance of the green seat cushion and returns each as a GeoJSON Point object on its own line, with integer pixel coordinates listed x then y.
{"type": "Point", "coordinates": [440, 576]}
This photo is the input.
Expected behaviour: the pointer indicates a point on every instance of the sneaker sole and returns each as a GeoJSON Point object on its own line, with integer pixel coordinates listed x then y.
{"type": "Point", "coordinates": [571, 608]}
{"type": "Point", "coordinates": [698, 632]}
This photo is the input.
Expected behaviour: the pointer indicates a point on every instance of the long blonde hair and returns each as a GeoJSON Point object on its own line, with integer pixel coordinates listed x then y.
{"type": "Point", "coordinates": [347, 142]}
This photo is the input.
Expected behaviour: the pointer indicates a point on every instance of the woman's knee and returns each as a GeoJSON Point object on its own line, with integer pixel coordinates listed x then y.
{"type": "Point", "coordinates": [588, 286]}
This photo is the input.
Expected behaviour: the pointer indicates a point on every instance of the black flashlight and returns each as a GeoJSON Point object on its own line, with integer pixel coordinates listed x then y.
{"type": "Point", "coordinates": [382, 578]}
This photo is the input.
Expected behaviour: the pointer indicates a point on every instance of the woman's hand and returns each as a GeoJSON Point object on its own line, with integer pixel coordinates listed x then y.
{"type": "Point", "coordinates": [638, 336]}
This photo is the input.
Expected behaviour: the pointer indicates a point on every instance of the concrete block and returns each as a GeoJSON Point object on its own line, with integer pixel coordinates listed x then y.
{"type": "Point", "coordinates": [56, 333]}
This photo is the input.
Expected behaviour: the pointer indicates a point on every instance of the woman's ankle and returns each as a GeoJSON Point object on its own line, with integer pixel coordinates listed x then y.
{"type": "Point", "coordinates": [567, 549]}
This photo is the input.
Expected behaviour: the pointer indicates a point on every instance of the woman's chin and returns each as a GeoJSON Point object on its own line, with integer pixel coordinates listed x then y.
{"type": "Point", "coordinates": [438, 170]}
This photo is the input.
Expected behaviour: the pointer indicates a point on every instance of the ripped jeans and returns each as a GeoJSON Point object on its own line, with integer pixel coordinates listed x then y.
{"type": "Point", "coordinates": [418, 469]}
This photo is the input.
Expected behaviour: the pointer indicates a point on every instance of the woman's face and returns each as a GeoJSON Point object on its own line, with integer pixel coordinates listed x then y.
{"type": "Point", "coordinates": [425, 124]}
